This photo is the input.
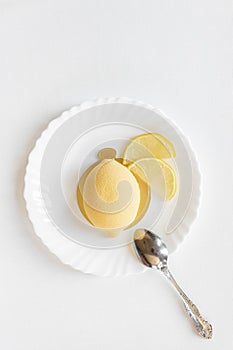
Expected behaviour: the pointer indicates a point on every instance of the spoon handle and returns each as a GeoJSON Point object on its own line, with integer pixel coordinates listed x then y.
{"type": "Point", "coordinates": [203, 327]}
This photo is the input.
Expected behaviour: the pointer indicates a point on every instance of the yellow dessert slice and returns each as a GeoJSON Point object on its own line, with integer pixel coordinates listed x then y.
{"type": "Point", "coordinates": [159, 174]}
{"type": "Point", "coordinates": [149, 145]}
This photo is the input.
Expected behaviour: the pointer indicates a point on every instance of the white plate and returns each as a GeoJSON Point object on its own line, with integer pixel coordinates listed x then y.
{"type": "Point", "coordinates": [69, 146]}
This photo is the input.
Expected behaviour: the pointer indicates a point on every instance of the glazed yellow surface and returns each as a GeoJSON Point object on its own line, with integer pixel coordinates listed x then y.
{"type": "Point", "coordinates": [110, 195]}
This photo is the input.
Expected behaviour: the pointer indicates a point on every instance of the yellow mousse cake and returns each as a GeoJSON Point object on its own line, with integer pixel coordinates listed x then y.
{"type": "Point", "coordinates": [110, 195]}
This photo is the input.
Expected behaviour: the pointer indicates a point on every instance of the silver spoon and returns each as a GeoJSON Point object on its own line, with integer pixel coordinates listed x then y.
{"type": "Point", "coordinates": [153, 253]}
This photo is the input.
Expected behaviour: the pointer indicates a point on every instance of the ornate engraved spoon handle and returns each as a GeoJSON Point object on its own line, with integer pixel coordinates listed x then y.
{"type": "Point", "coordinates": [203, 327]}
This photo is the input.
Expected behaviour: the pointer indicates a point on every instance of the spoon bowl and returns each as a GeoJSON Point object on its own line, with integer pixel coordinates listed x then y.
{"type": "Point", "coordinates": [150, 249]}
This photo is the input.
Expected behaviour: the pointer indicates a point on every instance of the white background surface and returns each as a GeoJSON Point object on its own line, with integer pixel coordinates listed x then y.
{"type": "Point", "coordinates": [176, 55]}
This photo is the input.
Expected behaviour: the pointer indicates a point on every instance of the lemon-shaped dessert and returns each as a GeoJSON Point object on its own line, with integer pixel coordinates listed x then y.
{"type": "Point", "coordinates": [109, 195]}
